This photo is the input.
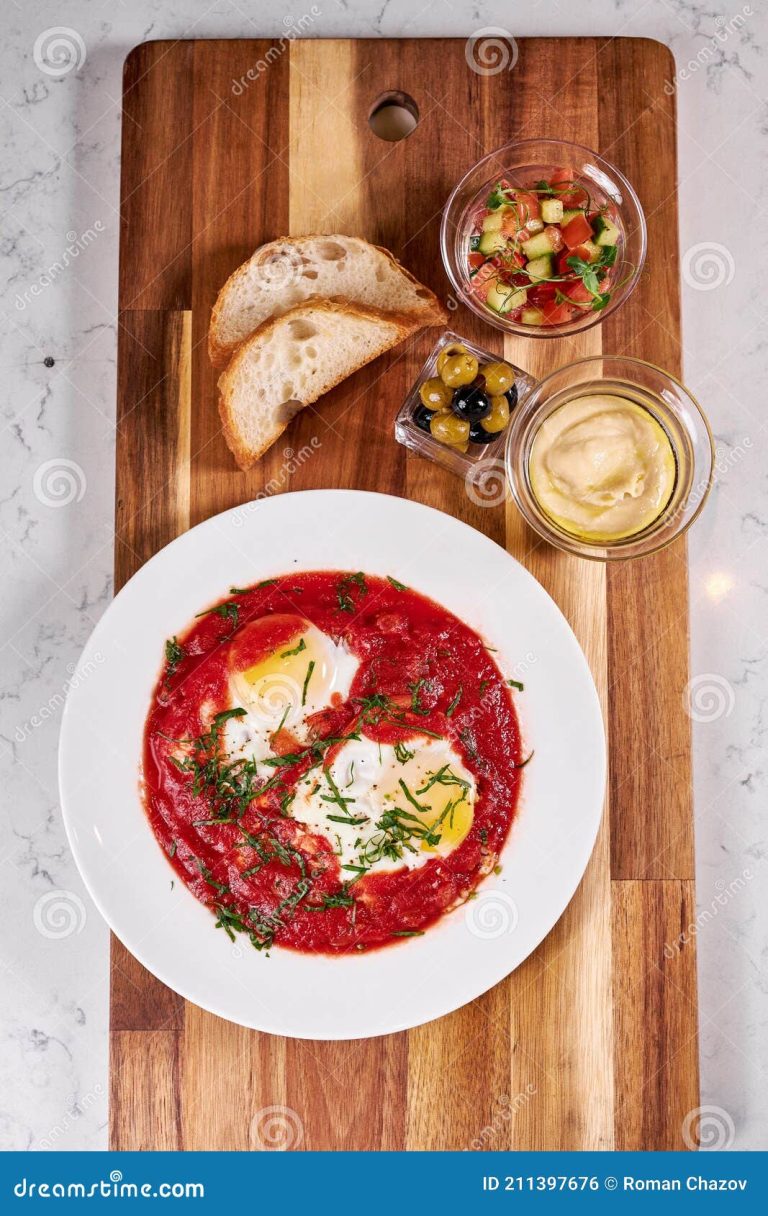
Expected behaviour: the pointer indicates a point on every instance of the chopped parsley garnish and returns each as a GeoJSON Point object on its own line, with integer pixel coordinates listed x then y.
{"type": "Point", "coordinates": [468, 740]}
{"type": "Point", "coordinates": [335, 794]}
{"type": "Point", "coordinates": [378, 706]}
{"type": "Point", "coordinates": [296, 650]}
{"type": "Point", "coordinates": [174, 653]}
{"type": "Point", "coordinates": [415, 691]}
{"type": "Point", "coordinates": [340, 899]}
{"type": "Point", "coordinates": [516, 684]}
{"type": "Point", "coordinates": [307, 678]}
{"type": "Point", "coordinates": [345, 588]}
{"type": "Point", "coordinates": [444, 776]}
{"type": "Point", "coordinates": [395, 584]}
{"type": "Point", "coordinates": [403, 754]}
{"type": "Point", "coordinates": [228, 611]}
{"type": "Point", "coordinates": [451, 708]}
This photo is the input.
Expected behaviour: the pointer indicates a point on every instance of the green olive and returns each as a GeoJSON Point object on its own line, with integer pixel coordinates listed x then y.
{"type": "Point", "coordinates": [498, 417]}
{"type": "Point", "coordinates": [453, 348]}
{"type": "Point", "coordinates": [458, 370]}
{"type": "Point", "coordinates": [498, 378]}
{"type": "Point", "coordinates": [447, 428]}
{"type": "Point", "coordinates": [435, 394]}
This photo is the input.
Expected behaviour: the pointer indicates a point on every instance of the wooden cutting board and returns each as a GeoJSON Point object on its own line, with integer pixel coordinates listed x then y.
{"type": "Point", "coordinates": [592, 1043]}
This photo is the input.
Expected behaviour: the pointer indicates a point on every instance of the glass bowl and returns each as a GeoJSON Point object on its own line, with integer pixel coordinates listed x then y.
{"type": "Point", "coordinates": [669, 403]}
{"type": "Point", "coordinates": [478, 456]}
{"type": "Point", "coordinates": [525, 163]}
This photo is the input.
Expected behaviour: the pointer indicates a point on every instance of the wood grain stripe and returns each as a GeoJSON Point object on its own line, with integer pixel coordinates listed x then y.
{"type": "Point", "coordinates": [152, 507]}
{"type": "Point", "coordinates": [144, 1091]}
{"type": "Point", "coordinates": [656, 1049]}
{"type": "Point", "coordinates": [652, 832]}
{"type": "Point", "coordinates": [570, 973]}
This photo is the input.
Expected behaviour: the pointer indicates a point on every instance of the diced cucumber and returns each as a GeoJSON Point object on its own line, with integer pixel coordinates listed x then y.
{"type": "Point", "coordinates": [592, 250]}
{"type": "Point", "coordinates": [502, 298]}
{"type": "Point", "coordinates": [551, 210]}
{"type": "Point", "coordinates": [491, 242]}
{"type": "Point", "coordinates": [538, 246]}
{"type": "Point", "coordinates": [534, 226]}
{"type": "Point", "coordinates": [540, 268]}
{"type": "Point", "coordinates": [493, 221]}
{"type": "Point", "coordinates": [568, 215]}
{"type": "Point", "coordinates": [607, 232]}
{"type": "Point", "coordinates": [532, 316]}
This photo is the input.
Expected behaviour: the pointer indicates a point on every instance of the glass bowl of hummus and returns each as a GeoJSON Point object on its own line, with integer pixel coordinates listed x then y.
{"type": "Point", "coordinates": [609, 458]}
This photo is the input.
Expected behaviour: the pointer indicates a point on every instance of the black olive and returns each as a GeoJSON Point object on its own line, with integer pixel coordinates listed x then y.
{"type": "Point", "coordinates": [478, 434]}
{"type": "Point", "coordinates": [471, 402]}
{"type": "Point", "coordinates": [422, 417]}
{"type": "Point", "coordinates": [511, 396]}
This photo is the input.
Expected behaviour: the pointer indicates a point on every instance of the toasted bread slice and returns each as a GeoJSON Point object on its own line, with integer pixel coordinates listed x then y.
{"type": "Point", "coordinates": [286, 272]}
{"type": "Point", "coordinates": [292, 360]}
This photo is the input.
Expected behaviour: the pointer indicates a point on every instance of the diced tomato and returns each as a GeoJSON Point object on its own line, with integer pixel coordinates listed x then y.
{"type": "Point", "coordinates": [557, 314]}
{"type": "Point", "coordinates": [581, 251]}
{"type": "Point", "coordinates": [576, 291]}
{"type": "Point", "coordinates": [569, 198]}
{"type": "Point", "coordinates": [527, 206]}
{"type": "Point", "coordinates": [518, 279]}
{"type": "Point", "coordinates": [577, 231]}
{"type": "Point", "coordinates": [481, 282]}
{"type": "Point", "coordinates": [510, 225]}
{"type": "Point", "coordinates": [555, 237]}
{"type": "Point", "coordinates": [541, 293]}
{"type": "Point", "coordinates": [476, 260]}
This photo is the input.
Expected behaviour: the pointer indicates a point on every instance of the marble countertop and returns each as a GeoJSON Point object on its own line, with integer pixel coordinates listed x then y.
{"type": "Point", "coordinates": [59, 185]}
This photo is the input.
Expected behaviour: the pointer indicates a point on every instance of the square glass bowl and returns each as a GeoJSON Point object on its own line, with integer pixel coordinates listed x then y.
{"type": "Point", "coordinates": [478, 455]}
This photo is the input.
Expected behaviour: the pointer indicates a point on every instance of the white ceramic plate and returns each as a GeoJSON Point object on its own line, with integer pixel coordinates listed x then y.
{"type": "Point", "coordinates": [473, 947]}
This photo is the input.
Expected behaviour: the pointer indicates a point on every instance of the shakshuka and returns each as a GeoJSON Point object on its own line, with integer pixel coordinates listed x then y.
{"type": "Point", "coordinates": [331, 761]}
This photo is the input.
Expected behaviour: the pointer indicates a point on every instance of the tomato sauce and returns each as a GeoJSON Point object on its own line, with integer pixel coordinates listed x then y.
{"type": "Point", "coordinates": [229, 834]}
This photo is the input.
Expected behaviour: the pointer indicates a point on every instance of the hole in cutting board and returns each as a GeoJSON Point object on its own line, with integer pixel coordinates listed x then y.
{"type": "Point", "coordinates": [393, 116]}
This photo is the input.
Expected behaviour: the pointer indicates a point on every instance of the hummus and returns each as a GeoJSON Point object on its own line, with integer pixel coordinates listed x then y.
{"type": "Point", "coordinates": [602, 467]}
